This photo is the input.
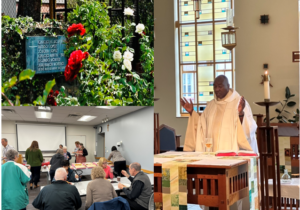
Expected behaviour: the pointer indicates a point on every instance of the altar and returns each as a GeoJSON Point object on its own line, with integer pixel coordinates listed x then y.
{"type": "Point", "coordinates": [204, 179]}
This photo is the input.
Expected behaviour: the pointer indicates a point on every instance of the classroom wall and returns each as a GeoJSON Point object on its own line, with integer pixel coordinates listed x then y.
{"type": "Point", "coordinates": [9, 127]}
{"type": "Point", "coordinates": [257, 44]}
{"type": "Point", "coordinates": [135, 130]}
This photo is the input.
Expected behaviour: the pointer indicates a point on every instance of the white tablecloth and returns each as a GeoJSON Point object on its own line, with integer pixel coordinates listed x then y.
{"type": "Point", "coordinates": [81, 186]}
{"type": "Point", "coordinates": [287, 190]}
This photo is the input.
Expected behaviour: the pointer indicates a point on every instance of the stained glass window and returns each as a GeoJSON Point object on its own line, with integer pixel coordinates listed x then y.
{"type": "Point", "coordinates": [202, 57]}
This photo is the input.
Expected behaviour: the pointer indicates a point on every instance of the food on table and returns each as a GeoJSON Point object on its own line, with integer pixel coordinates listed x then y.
{"type": "Point", "coordinates": [90, 165]}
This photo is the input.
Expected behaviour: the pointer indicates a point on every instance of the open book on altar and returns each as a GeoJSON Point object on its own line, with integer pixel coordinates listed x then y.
{"type": "Point", "coordinates": [235, 153]}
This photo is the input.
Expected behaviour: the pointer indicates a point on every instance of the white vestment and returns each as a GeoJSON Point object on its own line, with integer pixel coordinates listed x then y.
{"type": "Point", "coordinates": [222, 115]}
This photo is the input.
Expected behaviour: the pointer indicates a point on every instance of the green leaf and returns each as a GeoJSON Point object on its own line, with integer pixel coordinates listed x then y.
{"type": "Point", "coordinates": [287, 93]}
{"type": "Point", "coordinates": [11, 82]}
{"type": "Point", "coordinates": [277, 110]}
{"type": "Point", "coordinates": [123, 81]}
{"type": "Point", "coordinates": [129, 100]}
{"type": "Point", "coordinates": [272, 119]}
{"type": "Point", "coordinates": [297, 111]}
{"type": "Point", "coordinates": [292, 95]}
{"type": "Point", "coordinates": [287, 111]}
{"type": "Point", "coordinates": [291, 103]}
{"type": "Point", "coordinates": [279, 117]}
{"type": "Point", "coordinates": [136, 76]}
{"type": "Point", "coordinates": [103, 47]}
{"type": "Point", "coordinates": [42, 100]}
{"type": "Point", "coordinates": [132, 88]}
{"type": "Point", "coordinates": [106, 77]}
{"type": "Point", "coordinates": [19, 31]}
{"type": "Point", "coordinates": [26, 74]}
{"type": "Point", "coordinates": [38, 101]}
{"type": "Point", "coordinates": [17, 101]}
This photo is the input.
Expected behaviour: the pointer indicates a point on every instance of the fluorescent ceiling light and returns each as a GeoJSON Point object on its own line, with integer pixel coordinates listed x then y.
{"type": "Point", "coordinates": [86, 118]}
{"type": "Point", "coordinates": [44, 115]}
{"type": "Point", "coordinates": [44, 108]}
{"type": "Point", "coordinates": [106, 107]}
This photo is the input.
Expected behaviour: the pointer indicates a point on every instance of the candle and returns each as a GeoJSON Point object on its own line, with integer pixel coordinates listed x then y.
{"type": "Point", "coordinates": [267, 86]}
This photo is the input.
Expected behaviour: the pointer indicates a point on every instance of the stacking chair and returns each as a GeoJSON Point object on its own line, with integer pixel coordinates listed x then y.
{"type": "Point", "coordinates": [168, 139]}
{"type": "Point", "coordinates": [117, 203]}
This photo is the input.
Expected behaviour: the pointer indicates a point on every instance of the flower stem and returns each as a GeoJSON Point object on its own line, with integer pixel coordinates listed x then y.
{"type": "Point", "coordinates": [7, 99]}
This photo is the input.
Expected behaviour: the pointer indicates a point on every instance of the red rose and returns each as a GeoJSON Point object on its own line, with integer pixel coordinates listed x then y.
{"type": "Point", "coordinates": [76, 29]}
{"type": "Point", "coordinates": [56, 93]}
{"type": "Point", "coordinates": [74, 64]}
{"type": "Point", "coordinates": [50, 99]}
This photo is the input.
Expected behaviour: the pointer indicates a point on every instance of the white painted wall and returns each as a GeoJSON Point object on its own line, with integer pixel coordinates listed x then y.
{"type": "Point", "coordinates": [9, 127]}
{"type": "Point", "coordinates": [257, 44]}
{"type": "Point", "coordinates": [135, 130]}
{"type": "Point", "coordinates": [271, 43]}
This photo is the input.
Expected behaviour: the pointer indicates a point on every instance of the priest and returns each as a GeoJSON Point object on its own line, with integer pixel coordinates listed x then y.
{"type": "Point", "coordinates": [227, 120]}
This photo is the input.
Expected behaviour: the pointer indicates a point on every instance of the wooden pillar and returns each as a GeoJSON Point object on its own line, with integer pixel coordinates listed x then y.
{"type": "Point", "coordinates": [52, 4]}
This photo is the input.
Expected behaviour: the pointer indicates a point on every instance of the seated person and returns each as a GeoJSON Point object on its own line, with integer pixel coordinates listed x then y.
{"type": "Point", "coordinates": [71, 175]}
{"type": "Point", "coordinates": [94, 193]}
{"type": "Point", "coordinates": [108, 171]}
{"type": "Point", "coordinates": [58, 195]}
{"type": "Point", "coordinates": [140, 190]}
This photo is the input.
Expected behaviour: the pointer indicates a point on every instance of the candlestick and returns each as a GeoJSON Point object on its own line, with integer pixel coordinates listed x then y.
{"type": "Point", "coordinates": [229, 17]}
{"type": "Point", "coordinates": [267, 86]}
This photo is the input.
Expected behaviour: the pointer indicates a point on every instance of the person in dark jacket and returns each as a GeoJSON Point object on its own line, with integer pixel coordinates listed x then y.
{"type": "Point", "coordinates": [56, 162]}
{"type": "Point", "coordinates": [140, 190]}
{"type": "Point", "coordinates": [58, 195]}
{"type": "Point", "coordinates": [67, 154]}
{"type": "Point", "coordinates": [71, 175]}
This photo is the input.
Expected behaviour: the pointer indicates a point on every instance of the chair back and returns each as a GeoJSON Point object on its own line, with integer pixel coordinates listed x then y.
{"type": "Point", "coordinates": [117, 203]}
{"type": "Point", "coordinates": [20, 159]}
{"type": "Point", "coordinates": [151, 205]}
{"type": "Point", "coordinates": [167, 138]}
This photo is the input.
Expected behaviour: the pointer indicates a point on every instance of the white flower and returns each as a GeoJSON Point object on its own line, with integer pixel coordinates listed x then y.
{"type": "Point", "coordinates": [123, 67]}
{"type": "Point", "coordinates": [133, 24]}
{"type": "Point", "coordinates": [128, 11]}
{"type": "Point", "coordinates": [127, 64]}
{"type": "Point", "coordinates": [128, 55]}
{"type": "Point", "coordinates": [140, 28]}
{"type": "Point", "coordinates": [117, 56]}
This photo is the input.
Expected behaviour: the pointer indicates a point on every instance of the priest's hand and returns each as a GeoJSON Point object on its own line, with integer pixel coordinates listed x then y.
{"type": "Point", "coordinates": [241, 106]}
{"type": "Point", "coordinates": [188, 106]}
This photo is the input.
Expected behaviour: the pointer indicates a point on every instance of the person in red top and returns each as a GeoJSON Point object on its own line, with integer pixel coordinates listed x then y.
{"type": "Point", "coordinates": [108, 171]}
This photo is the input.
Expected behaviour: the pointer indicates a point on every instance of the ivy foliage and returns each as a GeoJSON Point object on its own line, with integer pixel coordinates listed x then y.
{"type": "Point", "coordinates": [14, 32]}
